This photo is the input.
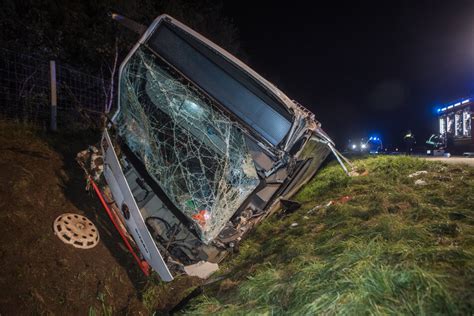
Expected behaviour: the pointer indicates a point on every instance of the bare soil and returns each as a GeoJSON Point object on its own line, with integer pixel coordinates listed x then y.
{"type": "Point", "coordinates": [39, 180]}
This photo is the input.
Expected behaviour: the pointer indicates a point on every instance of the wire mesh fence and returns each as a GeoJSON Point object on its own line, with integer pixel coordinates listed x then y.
{"type": "Point", "coordinates": [25, 92]}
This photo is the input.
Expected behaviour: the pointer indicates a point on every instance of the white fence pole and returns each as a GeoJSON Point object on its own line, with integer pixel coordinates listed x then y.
{"type": "Point", "coordinates": [54, 97]}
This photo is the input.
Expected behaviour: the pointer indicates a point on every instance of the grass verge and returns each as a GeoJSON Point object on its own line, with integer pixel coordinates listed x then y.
{"type": "Point", "coordinates": [393, 248]}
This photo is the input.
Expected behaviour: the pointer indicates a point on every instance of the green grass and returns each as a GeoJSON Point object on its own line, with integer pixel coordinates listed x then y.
{"type": "Point", "coordinates": [394, 248]}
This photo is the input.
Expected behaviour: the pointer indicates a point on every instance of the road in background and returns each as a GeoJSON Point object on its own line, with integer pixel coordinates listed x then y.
{"type": "Point", "coordinates": [453, 160]}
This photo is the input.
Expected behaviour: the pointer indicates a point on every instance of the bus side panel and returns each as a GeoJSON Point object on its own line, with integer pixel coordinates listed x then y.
{"type": "Point", "coordinates": [135, 223]}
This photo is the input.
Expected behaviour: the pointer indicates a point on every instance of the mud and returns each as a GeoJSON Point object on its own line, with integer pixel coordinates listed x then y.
{"type": "Point", "coordinates": [40, 180]}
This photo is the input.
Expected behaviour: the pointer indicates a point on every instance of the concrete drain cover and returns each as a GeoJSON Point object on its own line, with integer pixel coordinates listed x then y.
{"type": "Point", "coordinates": [76, 230]}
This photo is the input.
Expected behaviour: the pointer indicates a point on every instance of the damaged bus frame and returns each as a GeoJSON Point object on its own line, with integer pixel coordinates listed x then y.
{"type": "Point", "coordinates": [200, 149]}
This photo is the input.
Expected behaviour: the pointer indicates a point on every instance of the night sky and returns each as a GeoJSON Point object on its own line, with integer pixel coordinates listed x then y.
{"type": "Point", "coordinates": [363, 68]}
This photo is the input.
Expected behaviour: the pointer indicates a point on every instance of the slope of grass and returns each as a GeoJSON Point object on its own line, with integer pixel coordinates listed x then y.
{"type": "Point", "coordinates": [393, 248]}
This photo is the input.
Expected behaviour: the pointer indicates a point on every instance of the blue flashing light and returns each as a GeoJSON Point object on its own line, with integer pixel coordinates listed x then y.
{"type": "Point", "coordinates": [374, 138]}
{"type": "Point", "coordinates": [455, 104]}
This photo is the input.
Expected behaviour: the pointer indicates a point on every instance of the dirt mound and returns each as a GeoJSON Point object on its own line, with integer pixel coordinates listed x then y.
{"type": "Point", "coordinates": [40, 274]}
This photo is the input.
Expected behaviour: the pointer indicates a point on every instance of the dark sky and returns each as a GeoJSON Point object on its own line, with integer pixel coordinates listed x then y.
{"type": "Point", "coordinates": [363, 68]}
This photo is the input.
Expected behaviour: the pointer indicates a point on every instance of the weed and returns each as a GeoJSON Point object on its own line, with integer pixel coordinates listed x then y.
{"type": "Point", "coordinates": [107, 310]}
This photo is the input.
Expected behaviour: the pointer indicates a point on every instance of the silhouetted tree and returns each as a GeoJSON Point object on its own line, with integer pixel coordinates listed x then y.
{"type": "Point", "coordinates": [82, 34]}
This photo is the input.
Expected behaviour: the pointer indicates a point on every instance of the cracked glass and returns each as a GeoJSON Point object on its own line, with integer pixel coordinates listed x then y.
{"type": "Point", "coordinates": [196, 154]}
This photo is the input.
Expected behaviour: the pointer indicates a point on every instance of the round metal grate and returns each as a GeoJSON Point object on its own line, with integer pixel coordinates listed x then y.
{"type": "Point", "coordinates": [76, 230]}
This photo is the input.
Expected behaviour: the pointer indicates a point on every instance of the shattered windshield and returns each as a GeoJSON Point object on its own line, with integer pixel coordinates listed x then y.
{"type": "Point", "coordinates": [196, 154]}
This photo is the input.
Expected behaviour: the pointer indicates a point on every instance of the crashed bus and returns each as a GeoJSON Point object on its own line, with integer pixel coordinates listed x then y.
{"type": "Point", "coordinates": [200, 149]}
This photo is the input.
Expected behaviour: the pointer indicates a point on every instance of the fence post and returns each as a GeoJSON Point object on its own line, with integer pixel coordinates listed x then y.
{"type": "Point", "coordinates": [54, 97]}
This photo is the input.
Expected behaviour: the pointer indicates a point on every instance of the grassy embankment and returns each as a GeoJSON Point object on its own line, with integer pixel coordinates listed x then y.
{"type": "Point", "coordinates": [393, 248]}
